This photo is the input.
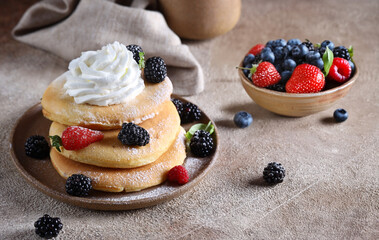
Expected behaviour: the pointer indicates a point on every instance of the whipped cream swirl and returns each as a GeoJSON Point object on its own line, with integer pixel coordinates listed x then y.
{"type": "Point", "coordinates": [104, 77]}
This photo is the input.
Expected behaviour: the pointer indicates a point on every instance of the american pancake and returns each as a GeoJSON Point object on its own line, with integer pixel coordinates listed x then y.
{"type": "Point", "coordinates": [110, 152]}
{"type": "Point", "coordinates": [129, 180]}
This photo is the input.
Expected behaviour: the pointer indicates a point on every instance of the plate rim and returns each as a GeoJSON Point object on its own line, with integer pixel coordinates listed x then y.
{"type": "Point", "coordinates": [101, 204]}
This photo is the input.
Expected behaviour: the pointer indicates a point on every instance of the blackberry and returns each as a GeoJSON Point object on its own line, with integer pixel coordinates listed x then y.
{"type": "Point", "coordinates": [37, 147]}
{"type": "Point", "coordinates": [78, 185]}
{"type": "Point", "coordinates": [190, 113]}
{"type": "Point", "coordinates": [274, 173]}
{"type": "Point", "coordinates": [155, 70]}
{"type": "Point", "coordinates": [201, 143]}
{"type": "Point", "coordinates": [341, 52]}
{"type": "Point", "coordinates": [135, 49]}
{"type": "Point", "coordinates": [132, 134]}
{"type": "Point", "coordinates": [178, 104]}
{"type": "Point", "coordinates": [309, 45]}
{"type": "Point", "coordinates": [257, 59]}
{"type": "Point", "coordinates": [48, 227]}
{"type": "Point", "coordinates": [277, 87]}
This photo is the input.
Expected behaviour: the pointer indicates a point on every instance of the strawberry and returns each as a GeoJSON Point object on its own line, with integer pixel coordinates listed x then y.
{"type": "Point", "coordinates": [178, 174]}
{"type": "Point", "coordinates": [265, 75]}
{"type": "Point", "coordinates": [305, 78]}
{"type": "Point", "coordinates": [340, 70]}
{"type": "Point", "coordinates": [75, 138]}
{"type": "Point", "coordinates": [256, 49]}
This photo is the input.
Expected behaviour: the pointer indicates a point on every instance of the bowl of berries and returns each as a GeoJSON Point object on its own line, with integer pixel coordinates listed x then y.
{"type": "Point", "coordinates": [295, 78]}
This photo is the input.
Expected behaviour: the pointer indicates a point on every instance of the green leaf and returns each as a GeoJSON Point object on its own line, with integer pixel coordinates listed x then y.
{"type": "Point", "coordinates": [200, 126]}
{"type": "Point", "coordinates": [141, 62]}
{"type": "Point", "coordinates": [328, 60]}
{"type": "Point", "coordinates": [57, 142]}
{"type": "Point", "coordinates": [317, 45]}
{"type": "Point", "coordinates": [351, 51]}
{"type": "Point", "coordinates": [253, 69]}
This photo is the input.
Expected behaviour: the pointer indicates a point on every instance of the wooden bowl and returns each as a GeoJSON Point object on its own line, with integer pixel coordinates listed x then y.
{"type": "Point", "coordinates": [296, 104]}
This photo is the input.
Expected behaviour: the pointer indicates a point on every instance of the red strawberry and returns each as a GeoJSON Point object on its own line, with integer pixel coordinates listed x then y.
{"type": "Point", "coordinates": [178, 174]}
{"type": "Point", "coordinates": [256, 49]}
{"type": "Point", "coordinates": [75, 138]}
{"type": "Point", "coordinates": [340, 70]}
{"type": "Point", "coordinates": [305, 78]}
{"type": "Point", "coordinates": [265, 75]}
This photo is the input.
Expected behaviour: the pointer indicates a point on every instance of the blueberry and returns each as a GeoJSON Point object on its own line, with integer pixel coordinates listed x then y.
{"type": "Point", "coordinates": [279, 43]}
{"type": "Point", "coordinates": [287, 51]}
{"type": "Point", "coordinates": [318, 63]}
{"type": "Point", "coordinates": [294, 42]}
{"type": "Point", "coordinates": [340, 115]}
{"type": "Point", "coordinates": [312, 56]}
{"type": "Point", "coordinates": [278, 52]}
{"type": "Point", "coordinates": [269, 44]}
{"type": "Point", "coordinates": [327, 43]}
{"type": "Point", "coordinates": [285, 76]}
{"type": "Point", "coordinates": [243, 119]}
{"type": "Point", "coordinates": [267, 55]}
{"type": "Point", "coordinates": [247, 71]}
{"type": "Point", "coordinates": [249, 59]}
{"type": "Point", "coordinates": [289, 64]}
{"type": "Point", "coordinates": [352, 65]}
{"type": "Point", "coordinates": [299, 51]}
{"type": "Point", "coordinates": [322, 50]}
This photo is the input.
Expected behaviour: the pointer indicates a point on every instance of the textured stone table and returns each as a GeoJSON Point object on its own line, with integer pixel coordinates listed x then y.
{"type": "Point", "coordinates": [331, 188]}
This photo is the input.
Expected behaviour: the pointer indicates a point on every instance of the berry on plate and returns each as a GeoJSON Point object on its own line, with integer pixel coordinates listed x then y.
{"type": "Point", "coordinates": [132, 134]}
{"type": "Point", "coordinates": [201, 143]}
{"type": "Point", "coordinates": [37, 147]}
{"type": "Point", "coordinates": [78, 185]}
{"type": "Point", "coordinates": [178, 174]}
{"type": "Point", "coordinates": [76, 138]}
{"type": "Point", "coordinates": [243, 119]}
{"type": "Point", "coordinates": [306, 78]}
{"type": "Point", "coordinates": [265, 75]}
{"type": "Point", "coordinates": [48, 227]}
{"type": "Point", "coordinates": [340, 115]}
{"type": "Point", "coordinates": [190, 113]}
{"type": "Point", "coordinates": [340, 70]}
{"type": "Point", "coordinates": [274, 173]}
{"type": "Point", "coordinates": [256, 49]}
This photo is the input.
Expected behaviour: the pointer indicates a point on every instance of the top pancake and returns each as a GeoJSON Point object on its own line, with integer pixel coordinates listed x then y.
{"type": "Point", "coordinates": [60, 107]}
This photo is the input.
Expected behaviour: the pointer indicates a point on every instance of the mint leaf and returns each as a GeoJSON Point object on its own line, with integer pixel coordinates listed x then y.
{"type": "Point", "coordinates": [327, 58]}
{"type": "Point", "coordinates": [200, 126]}
{"type": "Point", "coordinates": [141, 62]}
{"type": "Point", "coordinates": [57, 142]}
{"type": "Point", "coordinates": [351, 51]}
{"type": "Point", "coordinates": [317, 45]}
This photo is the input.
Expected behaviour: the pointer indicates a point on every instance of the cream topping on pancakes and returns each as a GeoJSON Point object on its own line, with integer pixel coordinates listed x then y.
{"type": "Point", "coordinates": [104, 77]}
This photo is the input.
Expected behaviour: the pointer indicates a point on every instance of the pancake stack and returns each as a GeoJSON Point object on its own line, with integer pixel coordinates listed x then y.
{"type": "Point", "coordinates": [111, 165]}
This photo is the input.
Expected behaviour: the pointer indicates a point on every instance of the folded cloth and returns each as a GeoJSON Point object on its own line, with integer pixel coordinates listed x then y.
{"type": "Point", "coordinates": [68, 27]}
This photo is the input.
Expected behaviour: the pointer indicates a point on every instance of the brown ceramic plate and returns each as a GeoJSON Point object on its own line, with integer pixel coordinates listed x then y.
{"type": "Point", "coordinates": [41, 174]}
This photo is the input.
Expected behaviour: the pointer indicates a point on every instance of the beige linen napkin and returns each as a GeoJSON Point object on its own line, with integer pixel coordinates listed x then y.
{"type": "Point", "coordinates": [68, 27]}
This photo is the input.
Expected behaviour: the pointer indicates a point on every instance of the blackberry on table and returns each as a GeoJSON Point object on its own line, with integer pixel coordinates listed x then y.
{"type": "Point", "coordinates": [132, 134]}
{"type": "Point", "coordinates": [274, 173]}
{"type": "Point", "coordinates": [190, 113]}
{"type": "Point", "coordinates": [78, 185]}
{"type": "Point", "coordinates": [201, 144]}
{"type": "Point", "coordinates": [135, 49]}
{"type": "Point", "coordinates": [155, 70]}
{"type": "Point", "coordinates": [178, 104]}
{"type": "Point", "coordinates": [48, 227]}
{"type": "Point", "coordinates": [341, 52]}
{"type": "Point", "coordinates": [36, 146]}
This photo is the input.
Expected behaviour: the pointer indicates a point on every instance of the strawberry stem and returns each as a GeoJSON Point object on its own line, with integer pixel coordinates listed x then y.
{"type": "Point", "coordinates": [56, 142]}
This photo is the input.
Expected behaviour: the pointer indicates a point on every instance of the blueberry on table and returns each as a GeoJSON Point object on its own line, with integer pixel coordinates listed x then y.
{"type": "Point", "coordinates": [243, 119]}
{"type": "Point", "coordinates": [340, 115]}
